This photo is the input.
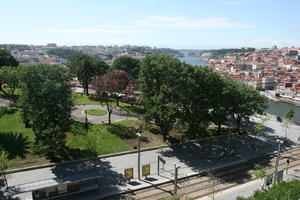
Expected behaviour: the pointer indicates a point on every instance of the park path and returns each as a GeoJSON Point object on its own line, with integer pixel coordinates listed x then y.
{"type": "Point", "coordinates": [118, 114]}
{"type": "Point", "coordinates": [4, 102]}
{"type": "Point", "coordinates": [192, 157]}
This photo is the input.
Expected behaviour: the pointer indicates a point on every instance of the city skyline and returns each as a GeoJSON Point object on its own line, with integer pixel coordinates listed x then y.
{"type": "Point", "coordinates": [160, 23]}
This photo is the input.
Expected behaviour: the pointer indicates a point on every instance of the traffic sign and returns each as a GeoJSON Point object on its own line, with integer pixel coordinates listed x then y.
{"type": "Point", "coordinates": [146, 170]}
{"type": "Point", "coordinates": [128, 174]}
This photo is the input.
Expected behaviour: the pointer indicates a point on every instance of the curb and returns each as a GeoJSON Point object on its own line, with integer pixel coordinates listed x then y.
{"type": "Point", "coordinates": [78, 161]}
{"type": "Point", "coordinates": [242, 160]}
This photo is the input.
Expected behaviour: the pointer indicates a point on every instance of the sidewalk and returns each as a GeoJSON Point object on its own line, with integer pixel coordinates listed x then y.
{"type": "Point", "coordinates": [106, 169]}
{"type": "Point", "coordinates": [193, 158]}
{"type": "Point", "coordinates": [248, 189]}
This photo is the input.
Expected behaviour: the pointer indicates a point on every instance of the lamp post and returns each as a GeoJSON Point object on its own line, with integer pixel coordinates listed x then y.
{"type": "Point", "coordinates": [139, 155]}
{"type": "Point", "coordinates": [175, 178]}
{"type": "Point", "coordinates": [277, 161]}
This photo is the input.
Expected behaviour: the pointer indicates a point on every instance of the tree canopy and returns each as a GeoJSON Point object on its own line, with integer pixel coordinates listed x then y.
{"type": "Point", "coordinates": [128, 64]}
{"type": "Point", "coordinates": [6, 59]}
{"type": "Point", "coordinates": [86, 69]}
{"type": "Point", "coordinates": [175, 92]}
{"type": "Point", "coordinates": [61, 52]}
{"type": "Point", "coordinates": [11, 79]}
{"type": "Point", "coordinates": [290, 114]}
{"type": "Point", "coordinates": [283, 190]}
{"type": "Point", "coordinates": [45, 104]}
{"type": "Point", "coordinates": [160, 91]}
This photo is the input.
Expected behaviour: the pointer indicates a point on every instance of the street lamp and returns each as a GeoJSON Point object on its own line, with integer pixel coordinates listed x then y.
{"type": "Point", "coordinates": [277, 161]}
{"type": "Point", "coordinates": [175, 178]}
{"type": "Point", "coordinates": [139, 155]}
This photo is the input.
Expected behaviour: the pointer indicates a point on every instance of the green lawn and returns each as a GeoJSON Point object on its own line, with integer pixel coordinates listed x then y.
{"type": "Point", "coordinates": [18, 140]}
{"type": "Point", "coordinates": [95, 112]}
{"type": "Point", "coordinates": [83, 99]}
{"type": "Point", "coordinates": [10, 121]}
{"type": "Point", "coordinates": [111, 142]}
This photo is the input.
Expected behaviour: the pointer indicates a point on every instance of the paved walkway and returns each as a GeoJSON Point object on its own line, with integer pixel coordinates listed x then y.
{"type": "Point", "coordinates": [192, 157]}
{"type": "Point", "coordinates": [248, 189]}
{"type": "Point", "coordinates": [4, 102]}
{"type": "Point", "coordinates": [118, 114]}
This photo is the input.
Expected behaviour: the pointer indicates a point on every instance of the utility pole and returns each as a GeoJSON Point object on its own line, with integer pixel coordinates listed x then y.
{"type": "Point", "coordinates": [139, 155]}
{"type": "Point", "coordinates": [175, 178]}
{"type": "Point", "coordinates": [277, 161]}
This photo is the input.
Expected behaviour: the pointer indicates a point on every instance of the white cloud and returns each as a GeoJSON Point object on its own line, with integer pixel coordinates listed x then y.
{"type": "Point", "coordinates": [93, 31]}
{"type": "Point", "coordinates": [143, 25]}
{"type": "Point", "coordinates": [185, 22]}
{"type": "Point", "coordinates": [235, 3]}
{"type": "Point", "coordinates": [268, 42]}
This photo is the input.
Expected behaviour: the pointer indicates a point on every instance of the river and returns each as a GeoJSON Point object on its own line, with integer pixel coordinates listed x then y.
{"type": "Point", "coordinates": [274, 108]}
{"type": "Point", "coordinates": [193, 60]}
{"type": "Point", "coordinates": [280, 109]}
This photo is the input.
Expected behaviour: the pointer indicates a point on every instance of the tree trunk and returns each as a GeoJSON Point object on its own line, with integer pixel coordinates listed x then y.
{"type": "Point", "coordinates": [164, 133]}
{"type": "Point", "coordinates": [117, 101]}
{"type": "Point", "coordinates": [5, 179]}
{"type": "Point", "coordinates": [164, 137]}
{"type": "Point", "coordinates": [87, 90]}
{"type": "Point", "coordinates": [238, 122]}
{"type": "Point", "coordinates": [219, 127]}
{"type": "Point", "coordinates": [109, 117]}
{"type": "Point", "coordinates": [109, 110]}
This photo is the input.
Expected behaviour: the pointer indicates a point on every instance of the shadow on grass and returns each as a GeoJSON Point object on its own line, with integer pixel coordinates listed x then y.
{"type": "Point", "coordinates": [75, 154]}
{"type": "Point", "coordinates": [121, 131]}
{"type": "Point", "coordinates": [4, 111]}
{"type": "Point", "coordinates": [155, 131]}
{"type": "Point", "coordinates": [15, 144]}
{"type": "Point", "coordinates": [79, 128]}
{"type": "Point", "coordinates": [133, 108]}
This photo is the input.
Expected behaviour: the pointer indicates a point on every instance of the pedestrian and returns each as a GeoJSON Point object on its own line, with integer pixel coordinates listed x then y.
{"type": "Point", "coordinates": [287, 165]}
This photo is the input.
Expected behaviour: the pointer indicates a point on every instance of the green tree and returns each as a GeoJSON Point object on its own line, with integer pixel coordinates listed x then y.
{"type": "Point", "coordinates": [46, 106]}
{"type": "Point", "coordinates": [282, 190]}
{"type": "Point", "coordinates": [3, 163]}
{"type": "Point", "coordinates": [95, 140]}
{"type": "Point", "coordinates": [6, 59]}
{"type": "Point", "coordinates": [129, 65]}
{"type": "Point", "coordinates": [246, 101]}
{"type": "Point", "coordinates": [259, 127]}
{"type": "Point", "coordinates": [86, 69]}
{"type": "Point", "coordinates": [290, 114]}
{"type": "Point", "coordinates": [159, 78]}
{"type": "Point", "coordinates": [64, 53]}
{"type": "Point", "coordinates": [221, 101]}
{"type": "Point", "coordinates": [262, 173]}
{"type": "Point", "coordinates": [11, 80]}
{"type": "Point", "coordinates": [198, 98]}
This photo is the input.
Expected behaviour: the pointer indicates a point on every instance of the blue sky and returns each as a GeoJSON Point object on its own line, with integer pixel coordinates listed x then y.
{"type": "Point", "coordinates": [199, 24]}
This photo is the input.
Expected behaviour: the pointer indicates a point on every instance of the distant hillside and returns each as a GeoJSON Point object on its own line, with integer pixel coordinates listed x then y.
{"type": "Point", "coordinates": [171, 52]}
{"type": "Point", "coordinates": [220, 53]}
{"type": "Point", "coordinates": [61, 52]}
{"type": "Point", "coordinates": [14, 47]}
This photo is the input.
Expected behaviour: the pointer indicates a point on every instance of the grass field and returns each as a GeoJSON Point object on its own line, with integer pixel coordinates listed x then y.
{"type": "Point", "coordinates": [83, 99]}
{"type": "Point", "coordinates": [117, 137]}
{"type": "Point", "coordinates": [95, 112]}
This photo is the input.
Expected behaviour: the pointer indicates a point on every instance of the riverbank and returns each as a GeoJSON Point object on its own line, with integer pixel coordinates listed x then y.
{"type": "Point", "coordinates": [285, 99]}
{"type": "Point", "coordinates": [279, 108]}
